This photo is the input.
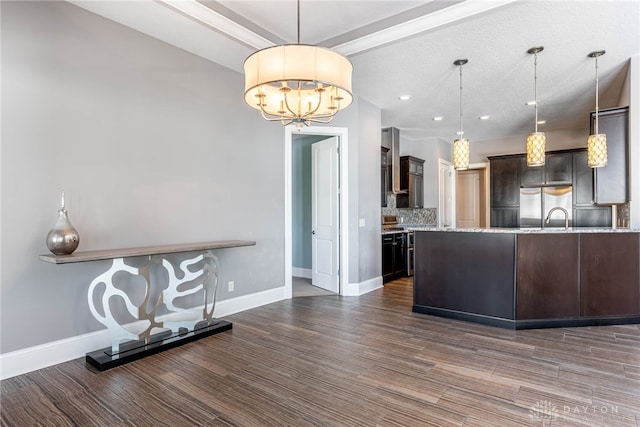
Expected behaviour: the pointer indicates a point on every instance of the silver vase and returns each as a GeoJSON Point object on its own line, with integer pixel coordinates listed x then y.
{"type": "Point", "coordinates": [63, 239]}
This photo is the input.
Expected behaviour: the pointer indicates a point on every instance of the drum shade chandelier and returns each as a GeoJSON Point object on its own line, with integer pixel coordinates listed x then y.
{"type": "Point", "coordinates": [535, 141]}
{"type": "Point", "coordinates": [461, 144]}
{"type": "Point", "coordinates": [297, 83]}
{"type": "Point", "coordinates": [597, 142]}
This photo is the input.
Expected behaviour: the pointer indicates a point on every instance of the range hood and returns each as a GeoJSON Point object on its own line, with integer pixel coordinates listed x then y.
{"type": "Point", "coordinates": [391, 140]}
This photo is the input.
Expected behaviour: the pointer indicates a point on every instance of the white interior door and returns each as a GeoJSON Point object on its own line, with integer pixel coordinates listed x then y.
{"type": "Point", "coordinates": [468, 199]}
{"type": "Point", "coordinates": [324, 214]}
{"type": "Point", "coordinates": [446, 192]}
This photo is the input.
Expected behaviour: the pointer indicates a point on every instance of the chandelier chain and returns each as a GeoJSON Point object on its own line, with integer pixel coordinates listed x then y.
{"type": "Point", "coordinates": [298, 21]}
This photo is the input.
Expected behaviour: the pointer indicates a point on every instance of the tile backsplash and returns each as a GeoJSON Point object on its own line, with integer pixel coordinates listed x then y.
{"type": "Point", "coordinates": [425, 216]}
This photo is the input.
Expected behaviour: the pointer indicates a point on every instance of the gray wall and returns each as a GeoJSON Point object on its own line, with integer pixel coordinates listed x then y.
{"type": "Point", "coordinates": [369, 209]}
{"type": "Point", "coordinates": [430, 151]}
{"type": "Point", "coordinates": [363, 121]}
{"type": "Point", "coordinates": [152, 145]}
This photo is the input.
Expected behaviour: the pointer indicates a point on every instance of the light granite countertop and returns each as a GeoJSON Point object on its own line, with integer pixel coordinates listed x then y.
{"type": "Point", "coordinates": [527, 230]}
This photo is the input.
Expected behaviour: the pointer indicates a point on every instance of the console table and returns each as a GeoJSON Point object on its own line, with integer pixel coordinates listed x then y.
{"type": "Point", "coordinates": [151, 333]}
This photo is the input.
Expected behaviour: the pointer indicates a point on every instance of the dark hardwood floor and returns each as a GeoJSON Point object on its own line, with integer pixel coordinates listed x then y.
{"type": "Point", "coordinates": [347, 361]}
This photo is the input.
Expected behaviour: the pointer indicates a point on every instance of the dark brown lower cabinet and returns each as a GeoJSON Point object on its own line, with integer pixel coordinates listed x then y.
{"type": "Point", "coordinates": [522, 281]}
{"type": "Point", "coordinates": [609, 274]}
{"type": "Point", "coordinates": [547, 276]}
{"type": "Point", "coordinates": [465, 272]}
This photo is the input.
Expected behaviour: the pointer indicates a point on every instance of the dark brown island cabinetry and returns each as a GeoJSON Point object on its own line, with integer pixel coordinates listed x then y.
{"type": "Point", "coordinates": [411, 183]}
{"type": "Point", "coordinates": [528, 280]}
{"type": "Point", "coordinates": [612, 181]}
{"type": "Point", "coordinates": [547, 276]}
{"type": "Point", "coordinates": [464, 273]}
{"type": "Point", "coordinates": [609, 274]}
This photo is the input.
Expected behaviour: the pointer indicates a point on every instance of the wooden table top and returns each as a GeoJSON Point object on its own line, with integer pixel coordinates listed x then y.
{"type": "Point", "coordinates": [142, 251]}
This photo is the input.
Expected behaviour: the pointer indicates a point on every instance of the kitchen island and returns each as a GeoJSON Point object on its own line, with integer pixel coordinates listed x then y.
{"type": "Point", "coordinates": [528, 278]}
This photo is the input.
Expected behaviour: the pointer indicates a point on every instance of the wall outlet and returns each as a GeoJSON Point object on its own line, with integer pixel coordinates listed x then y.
{"type": "Point", "coordinates": [231, 286]}
{"type": "Point", "coordinates": [361, 222]}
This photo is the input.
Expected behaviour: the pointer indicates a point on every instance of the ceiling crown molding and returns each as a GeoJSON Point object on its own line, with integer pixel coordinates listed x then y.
{"type": "Point", "coordinates": [419, 25]}
{"type": "Point", "coordinates": [199, 12]}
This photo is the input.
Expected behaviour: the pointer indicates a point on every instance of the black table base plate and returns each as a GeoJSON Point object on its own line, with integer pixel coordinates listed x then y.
{"type": "Point", "coordinates": [104, 359]}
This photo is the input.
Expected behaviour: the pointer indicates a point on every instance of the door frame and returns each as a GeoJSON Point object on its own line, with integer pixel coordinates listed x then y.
{"type": "Point", "coordinates": [442, 162]}
{"type": "Point", "coordinates": [343, 208]}
{"type": "Point", "coordinates": [484, 169]}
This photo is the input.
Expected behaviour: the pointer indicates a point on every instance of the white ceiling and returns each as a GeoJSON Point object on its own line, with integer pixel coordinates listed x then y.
{"type": "Point", "coordinates": [408, 47]}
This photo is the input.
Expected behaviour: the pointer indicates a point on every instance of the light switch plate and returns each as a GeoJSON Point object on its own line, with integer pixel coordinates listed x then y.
{"type": "Point", "coordinates": [361, 222]}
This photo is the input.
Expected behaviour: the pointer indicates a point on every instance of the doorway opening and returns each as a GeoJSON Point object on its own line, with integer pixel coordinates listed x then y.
{"type": "Point", "coordinates": [472, 197]}
{"type": "Point", "coordinates": [316, 205]}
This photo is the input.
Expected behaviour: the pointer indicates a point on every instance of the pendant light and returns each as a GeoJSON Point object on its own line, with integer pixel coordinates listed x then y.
{"type": "Point", "coordinates": [535, 141]}
{"type": "Point", "coordinates": [597, 142]}
{"type": "Point", "coordinates": [461, 144]}
{"type": "Point", "coordinates": [297, 83]}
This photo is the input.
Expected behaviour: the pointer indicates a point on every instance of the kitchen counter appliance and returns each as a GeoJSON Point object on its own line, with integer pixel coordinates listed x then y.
{"type": "Point", "coordinates": [537, 202]}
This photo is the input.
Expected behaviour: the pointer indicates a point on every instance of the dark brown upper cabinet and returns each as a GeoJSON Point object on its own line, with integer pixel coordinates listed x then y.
{"type": "Point", "coordinates": [505, 183]}
{"type": "Point", "coordinates": [557, 169]}
{"type": "Point", "coordinates": [611, 182]}
{"type": "Point", "coordinates": [384, 175]}
{"type": "Point", "coordinates": [411, 182]}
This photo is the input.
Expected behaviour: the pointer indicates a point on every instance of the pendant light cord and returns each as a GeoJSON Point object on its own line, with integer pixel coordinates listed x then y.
{"type": "Point", "coordinates": [596, 95]}
{"type": "Point", "coordinates": [535, 87]}
{"type": "Point", "coordinates": [461, 132]}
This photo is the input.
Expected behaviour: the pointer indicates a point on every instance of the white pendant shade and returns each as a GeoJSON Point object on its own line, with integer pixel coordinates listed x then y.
{"type": "Point", "coordinates": [536, 143]}
{"type": "Point", "coordinates": [461, 154]}
{"type": "Point", "coordinates": [298, 83]}
{"type": "Point", "coordinates": [597, 150]}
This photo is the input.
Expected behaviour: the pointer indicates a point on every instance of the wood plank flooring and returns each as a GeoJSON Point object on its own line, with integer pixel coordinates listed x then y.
{"type": "Point", "coordinates": [347, 361]}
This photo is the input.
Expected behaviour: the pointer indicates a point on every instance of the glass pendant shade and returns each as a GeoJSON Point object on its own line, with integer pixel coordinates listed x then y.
{"type": "Point", "coordinates": [297, 83]}
{"type": "Point", "coordinates": [461, 154]}
{"type": "Point", "coordinates": [535, 149]}
{"type": "Point", "coordinates": [597, 150]}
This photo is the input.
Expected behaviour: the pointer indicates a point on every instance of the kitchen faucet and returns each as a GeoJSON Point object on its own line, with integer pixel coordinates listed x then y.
{"type": "Point", "coordinates": [547, 220]}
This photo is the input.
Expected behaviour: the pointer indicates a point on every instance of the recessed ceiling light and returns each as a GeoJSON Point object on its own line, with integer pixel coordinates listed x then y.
{"type": "Point", "coordinates": [484, 117]}
{"type": "Point", "coordinates": [404, 97]}
{"type": "Point", "coordinates": [438, 118]}
{"type": "Point", "coordinates": [541, 122]}
{"type": "Point", "coordinates": [532, 102]}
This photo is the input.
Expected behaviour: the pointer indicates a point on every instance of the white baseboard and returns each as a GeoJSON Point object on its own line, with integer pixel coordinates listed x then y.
{"type": "Point", "coordinates": [301, 272]}
{"type": "Point", "coordinates": [370, 285]}
{"type": "Point", "coordinates": [41, 356]}
{"type": "Point", "coordinates": [357, 289]}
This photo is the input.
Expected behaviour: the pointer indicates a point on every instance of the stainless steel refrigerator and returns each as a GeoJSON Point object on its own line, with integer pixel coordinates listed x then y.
{"type": "Point", "coordinates": [536, 202]}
